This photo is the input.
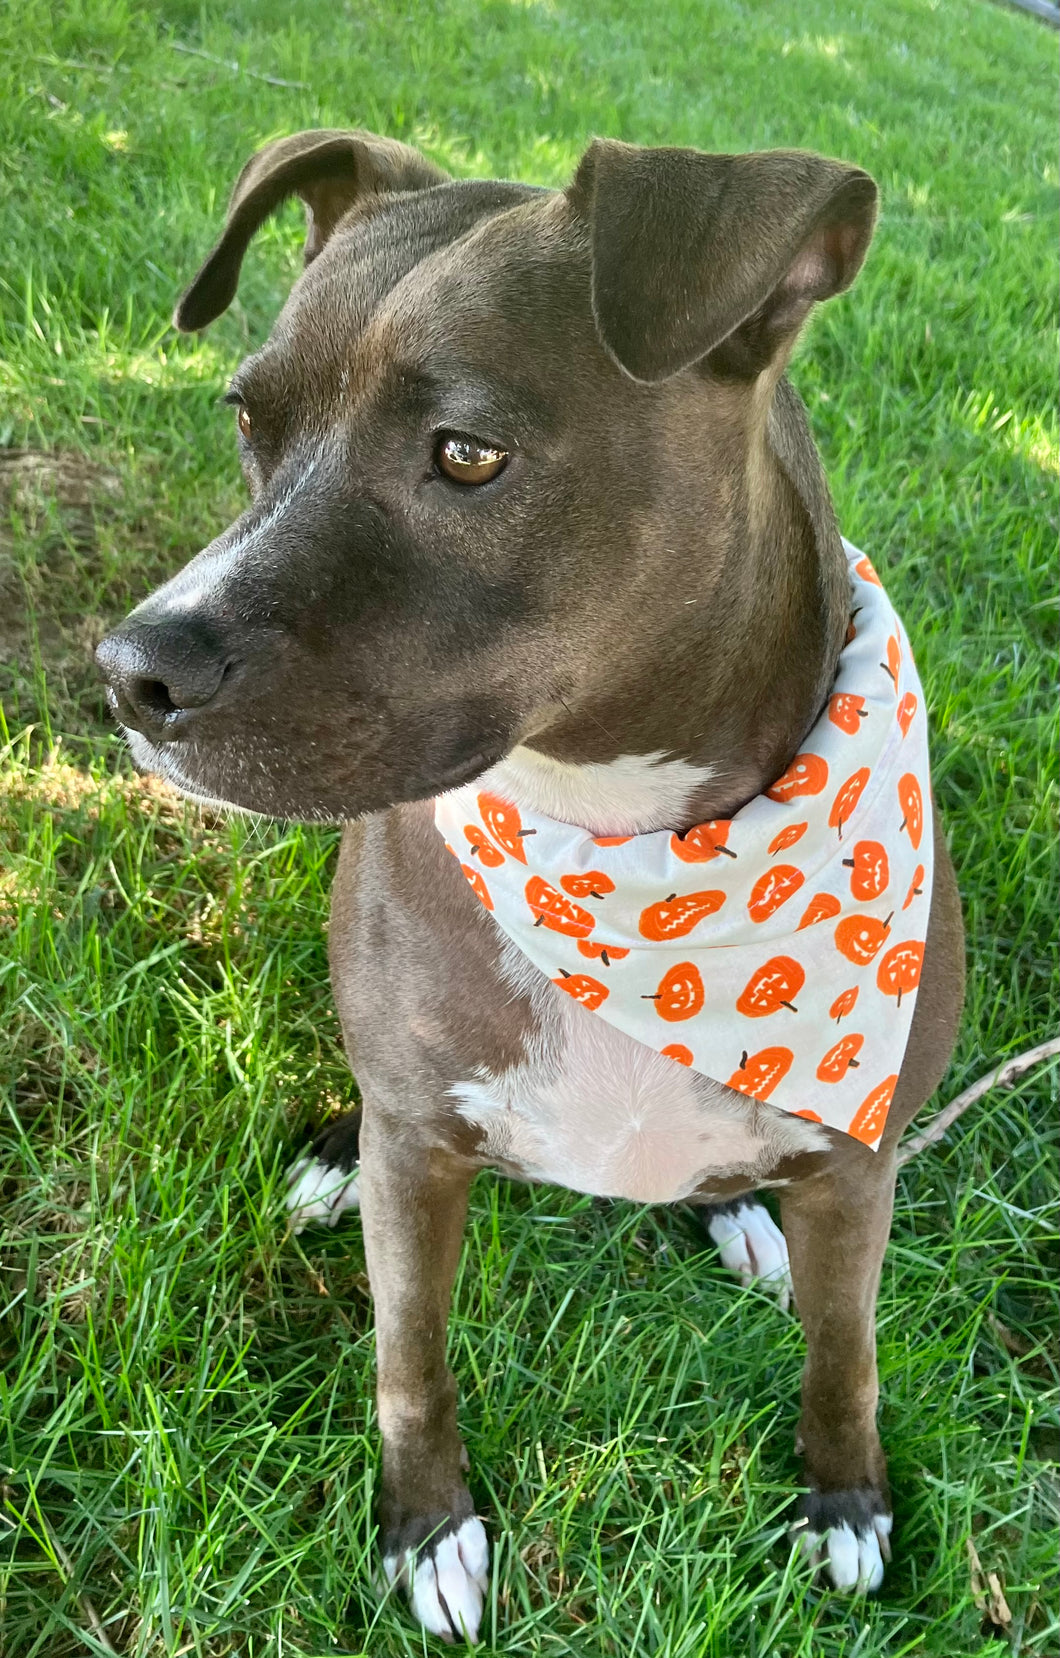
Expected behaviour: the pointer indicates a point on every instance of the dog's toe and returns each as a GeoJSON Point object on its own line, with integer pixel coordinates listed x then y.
{"type": "Point", "coordinates": [752, 1246]}
{"type": "Point", "coordinates": [852, 1557]}
{"type": "Point", "coordinates": [318, 1193]}
{"type": "Point", "coordinates": [446, 1581]}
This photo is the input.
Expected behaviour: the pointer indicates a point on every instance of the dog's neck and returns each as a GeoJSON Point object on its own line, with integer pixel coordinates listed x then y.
{"type": "Point", "coordinates": [727, 678]}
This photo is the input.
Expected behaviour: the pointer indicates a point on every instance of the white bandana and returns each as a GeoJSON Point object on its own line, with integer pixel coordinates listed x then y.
{"type": "Point", "coordinates": [778, 951]}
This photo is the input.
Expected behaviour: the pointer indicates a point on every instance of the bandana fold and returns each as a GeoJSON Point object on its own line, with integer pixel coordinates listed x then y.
{"type": "Point", "coordinates": [778, 951]}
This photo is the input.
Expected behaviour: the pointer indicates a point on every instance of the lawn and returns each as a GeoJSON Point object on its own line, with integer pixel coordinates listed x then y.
{"type": "Point", "coordinates": [187, 1450]}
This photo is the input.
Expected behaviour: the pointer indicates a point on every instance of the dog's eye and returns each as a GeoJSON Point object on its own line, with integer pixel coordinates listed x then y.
{"type": "Point", "coordinates": [467, 460]}
{"type": "Point", "coordinates": [243, 421]}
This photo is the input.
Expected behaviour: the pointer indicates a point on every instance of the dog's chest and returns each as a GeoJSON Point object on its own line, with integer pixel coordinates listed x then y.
{"type": "Point", "coordinates": [594, 1110]}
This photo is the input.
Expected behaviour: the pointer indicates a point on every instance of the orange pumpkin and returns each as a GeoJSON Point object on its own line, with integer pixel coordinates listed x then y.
{"type": "Point", "coordinates": [906, 710]}
{"type": "Point", "coordinates": [899, 971]}
{"type": "Point", "coordinates": [675, 917]}
{"type": "Point", "coordinates": [787, 837]}
{"type": "Point", "coordinates": [481, 848]}
{"type": "Point", "coordinates": [811, 1116]}
{"type": "Point", "coordinates": [594, 884]}
{"type": "Point", "coordinates": [915, 888]}
{"type": "Point", "coordinates": [893, 664]}
{"type": "Point", "coordinates": [847, 798]}
{"type": "Point", "coordinates": [843, 1004]}
{"type": "Point", "coordinates": [867, 573]}
{"type": "Point", "coordinates": [680, 994]}
{"type": "Point", "coordinates": [703, 842]}
{"type": "Point", "coordinates": [773, 986]}
{"type": "Point", "coordinates": [807, 774]}
{"type": "Point", "coordinates": [589, 992]}
{"type": "Point", "coordinates": [551, 909]}
{"type": "Point", "coordinates": [872, 872]}
{"type": "Point", "coordinates": [595, 951]}
{"type": "Point", "coordinates": [611, 840]}
{"type": "Point", "coordinates": [845, 710]}
{"type": "Point", "coordinates": [772, 889]}
{"type": "Point", "coordinates": [759, 1074]}
{"type": "Point", "coordinates": [860, 938]}
{"type": "Point", "coordinates": [678, 1051]}
{"type": "Point", "coordinates": [871, 1115]}
{"type": "Point", "coordinates": [838, 1060]}
{"type": "Point", "coordinates": [478, 885]}
{"type": "Point", "coordinates": [504, 824]}
{"type": "Point", "coordinates": [820, 908]}
{"type": "Point", "coordinates": [912, 804]}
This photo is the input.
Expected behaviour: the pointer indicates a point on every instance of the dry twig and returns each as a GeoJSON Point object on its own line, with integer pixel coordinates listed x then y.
{"type": "Point", "coordinates": [236, 68]}
{"type": "Point", "coordinates": [1008, 1072]}
{"type": "Point", "coordinates": [987, 1592]}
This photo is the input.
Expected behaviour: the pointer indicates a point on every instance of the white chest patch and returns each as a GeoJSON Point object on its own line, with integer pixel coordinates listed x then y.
{"type": "Point", "coordinates": [626, 796]}
{"type": "Point", "coordinates": [596, 1111]}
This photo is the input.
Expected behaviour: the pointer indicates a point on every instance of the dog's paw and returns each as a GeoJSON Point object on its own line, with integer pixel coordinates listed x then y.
{"type": "Point", "coordinates": [319, 1194]}
{"type": "Point", "coordinates": [846, 1536]}
{"type": "Point", "coordinates": [752, 1246]}
{"type": "Point", "coordinates": [322, 1184]}
{"type": "Point", "coordinates": [444, 1578]}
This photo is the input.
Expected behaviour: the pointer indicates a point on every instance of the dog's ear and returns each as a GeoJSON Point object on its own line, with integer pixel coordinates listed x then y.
{"type": "Point", "coordinates": [699, 255]}
{"type": "Point", "coordinates": [330, 171]}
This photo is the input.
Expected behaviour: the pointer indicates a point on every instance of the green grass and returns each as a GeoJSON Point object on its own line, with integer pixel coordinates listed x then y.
{"type": "Point", "coordinates": [188, 1440]}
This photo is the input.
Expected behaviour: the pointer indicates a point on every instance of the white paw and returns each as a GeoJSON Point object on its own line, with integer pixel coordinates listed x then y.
{"type": "Point", "coordinates": [319, 1194]}
{"type": "Point", "coordinates": [448, 1582]}
{"type": "Point", "coordinates": [854, 1560]}
{"type": "Point", "coordinates": [752, 1245]}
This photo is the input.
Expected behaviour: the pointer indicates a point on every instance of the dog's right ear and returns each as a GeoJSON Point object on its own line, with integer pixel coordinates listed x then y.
{"type": "Point", "coordinates": [330, 171]}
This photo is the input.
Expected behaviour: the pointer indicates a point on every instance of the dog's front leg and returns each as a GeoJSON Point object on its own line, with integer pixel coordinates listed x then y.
{"type": "Point", "coordinates": [413, 1207]}
{"type": "Point", "coordinates": [836, 1225]}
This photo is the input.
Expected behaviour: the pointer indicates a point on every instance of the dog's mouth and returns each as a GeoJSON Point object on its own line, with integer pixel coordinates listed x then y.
{"type": "Point", "coordinates": [148, 757]}
{"type": "Point", "coordinates": [250, 785]}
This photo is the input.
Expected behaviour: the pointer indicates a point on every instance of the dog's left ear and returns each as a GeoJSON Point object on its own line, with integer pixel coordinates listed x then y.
{"type": "Point", "coordinates": [330, 171]}
{"type": "Point", "coordinates": [715, 256]}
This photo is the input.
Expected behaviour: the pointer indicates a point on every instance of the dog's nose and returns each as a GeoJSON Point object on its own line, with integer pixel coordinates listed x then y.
{"type": "Point", "coordinates": [159, 674]}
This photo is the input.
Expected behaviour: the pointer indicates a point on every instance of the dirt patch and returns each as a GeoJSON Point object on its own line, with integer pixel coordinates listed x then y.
{"type": "Point", "coordinates": [53, 507]}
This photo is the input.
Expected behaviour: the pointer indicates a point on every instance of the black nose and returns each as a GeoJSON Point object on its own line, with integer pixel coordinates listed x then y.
{"type": "Point", "coordinates": [159, 674]}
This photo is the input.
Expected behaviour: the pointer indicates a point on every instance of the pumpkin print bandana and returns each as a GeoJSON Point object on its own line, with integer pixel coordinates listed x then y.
{"type": "Point", "coordinates": [778, 951]}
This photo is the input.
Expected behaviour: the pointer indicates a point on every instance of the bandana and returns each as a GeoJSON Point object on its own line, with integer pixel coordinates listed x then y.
{"type": "Point", "coordinates": [778, 951]}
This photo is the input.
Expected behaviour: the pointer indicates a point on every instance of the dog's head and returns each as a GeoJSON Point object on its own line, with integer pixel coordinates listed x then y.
{"type": "Point", "coordinates": [483, 414]}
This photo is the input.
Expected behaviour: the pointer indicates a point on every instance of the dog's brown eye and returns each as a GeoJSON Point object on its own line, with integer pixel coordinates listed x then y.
{"type": "Point", "coordinates": [467, 461]}
{"type": "Point", "coordinates": [243, 420]}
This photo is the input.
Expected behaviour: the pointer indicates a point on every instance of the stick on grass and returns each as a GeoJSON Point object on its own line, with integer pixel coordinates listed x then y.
{"type": "Point", "coordinates": [1005, 1074]}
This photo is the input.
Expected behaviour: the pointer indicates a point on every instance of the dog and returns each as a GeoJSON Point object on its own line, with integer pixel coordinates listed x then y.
{"type": "Point", "coordinates": [538, 530]}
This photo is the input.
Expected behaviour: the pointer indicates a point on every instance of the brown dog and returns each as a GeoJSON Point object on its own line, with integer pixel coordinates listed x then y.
{"type": "Point", "coordinates": [533, 497]}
